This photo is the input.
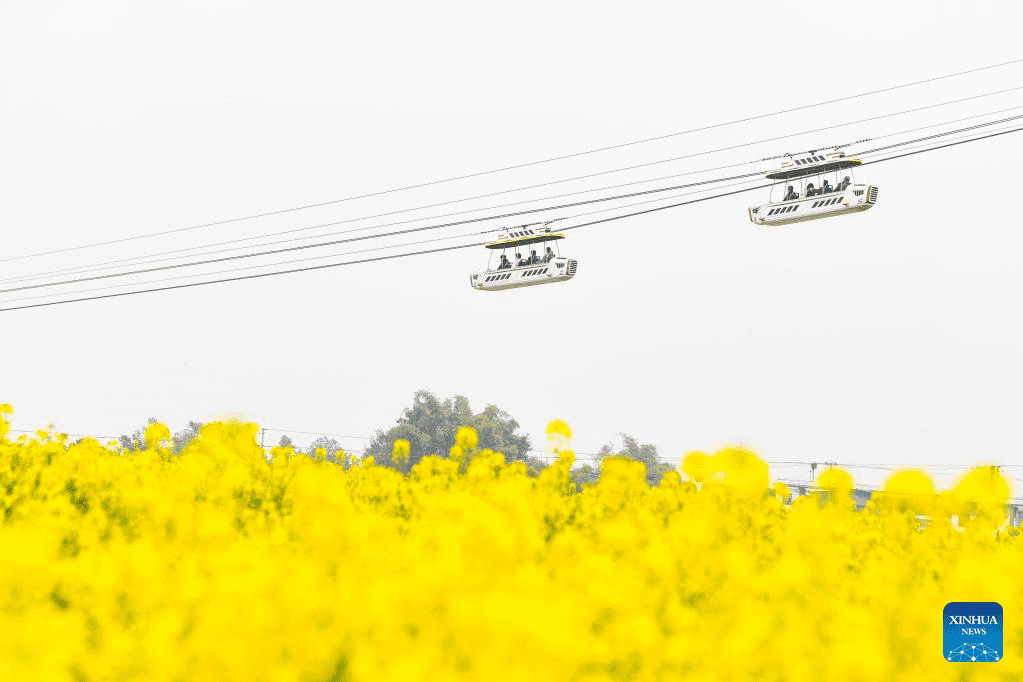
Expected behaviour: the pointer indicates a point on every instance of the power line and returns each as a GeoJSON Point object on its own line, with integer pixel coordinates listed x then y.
{"type": "Point", "coordinates": [62, 433]}
{"type": "Point", "coordinates": [517, 166]}
{"type": "Point", "coordinates": [314, 433]}
{"type": "Point", "coordinates": [464, 246]}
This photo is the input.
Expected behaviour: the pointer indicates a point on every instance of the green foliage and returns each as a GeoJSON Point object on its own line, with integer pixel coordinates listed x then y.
{"type": "Point", "coordinates": [186, 436]}
{"type": "Point", "coordinates": [331, 446]}
{"type": "Point", "coordinates": [137, 440]}
{"type": "Point", "coordinates": [431, 426]}
{"type": "Point", "coordinates": [640, 452]}
{"type": "Point", "coordinates": [584, 475]}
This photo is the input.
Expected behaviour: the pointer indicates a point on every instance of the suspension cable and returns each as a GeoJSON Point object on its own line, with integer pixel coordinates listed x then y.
{"type": "Point", "coordinates": [516, 166]}
{"type": "Point", "coordinates": [153, 257]}
{"type": "Point", "coordinates": [464, 246]}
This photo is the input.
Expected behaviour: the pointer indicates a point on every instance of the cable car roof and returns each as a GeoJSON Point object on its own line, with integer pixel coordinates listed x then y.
{"type": "Point", "coordinates": [523, 237]}
{"type": "Point", "coordinates": [812, 163]}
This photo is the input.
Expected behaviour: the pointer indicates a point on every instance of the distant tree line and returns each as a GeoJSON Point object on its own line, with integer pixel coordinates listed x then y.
{"type": "Point", "coordinates": [430, 426]}
{"type": "Point", "coordinates": [631, 449]}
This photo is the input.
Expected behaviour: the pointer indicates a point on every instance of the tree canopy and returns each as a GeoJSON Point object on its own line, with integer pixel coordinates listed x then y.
{"type": "Point", "coordinates": [640, 452]}
{"type": "Point", "coordinates": [430, 426]}
{"type": "Point", "coordinates": [329, 445]}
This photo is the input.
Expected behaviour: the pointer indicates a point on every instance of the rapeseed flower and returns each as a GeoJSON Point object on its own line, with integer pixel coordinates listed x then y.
{"type": "Point", "coordinates": [222, 563]}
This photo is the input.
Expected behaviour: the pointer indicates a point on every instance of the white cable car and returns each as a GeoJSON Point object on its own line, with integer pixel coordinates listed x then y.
{"type": "Point", "coordinates": [528, 267]}
{"type": "Point", "coordinates": [804, 200]}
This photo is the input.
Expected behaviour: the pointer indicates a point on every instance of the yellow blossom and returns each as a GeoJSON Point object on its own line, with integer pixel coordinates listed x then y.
{"type": "Point", "coordinates": [219, 563]}
{"type": "Point", "coordinates": [400, 452]}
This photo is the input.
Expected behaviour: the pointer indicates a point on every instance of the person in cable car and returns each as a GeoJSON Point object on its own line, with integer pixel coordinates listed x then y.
{"type": "Point", "coordinates": [842, 185]}
{"type": "Point", "coordinates": [790, 194]}
{"type": "Point", "coordinates": [549, 256]}
{"type": "Point", "coordinates": [505, 263]}
{"type": "Point", "coordinates": [810, 191]}
{"type": "Point", "coordinates": [520, 261]}
{"type": "Point", "coordinates": [826, 188]}
{"type": "Point", "coordinates": [533, 258]}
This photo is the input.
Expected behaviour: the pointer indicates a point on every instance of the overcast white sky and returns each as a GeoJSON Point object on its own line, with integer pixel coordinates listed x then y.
{"type": "Point", "coordinates": [891, 336]}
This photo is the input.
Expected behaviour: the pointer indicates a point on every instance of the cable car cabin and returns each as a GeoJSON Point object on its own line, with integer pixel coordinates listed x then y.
{"type": "Point", "coordinates": [521, 263]}
{"type": "Point", "coordinates": [806, 192]}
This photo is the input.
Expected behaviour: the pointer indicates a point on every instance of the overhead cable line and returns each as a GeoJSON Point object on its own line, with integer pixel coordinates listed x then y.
{"type": "Point", "coordinates": [100, 266]}
{"type": "Point", "coordinates": [866, 163]}
{"type": "Point", "coordinates": [350, 253]}
{"type": "Point", "coordinates": [50, 434]}
{"type": "Point", "coordinates": [88, 268]}
{"type": "Point", "coordinates": [459, 236]}
{"type": "Point", "coordinates": [518, 166]}
{"type": "Point", "coordinates": [434, 240]}
{"type": "Point", "coordinates": [314, 433]}
{"type": "Point", "coordinates": [465, 246]}
{"type": "Point", "coordinates": [335, 242]}
{"type": "Point", "coordinates": [365, 237]}
{"type": "Point", "coordinates": [334, 265]}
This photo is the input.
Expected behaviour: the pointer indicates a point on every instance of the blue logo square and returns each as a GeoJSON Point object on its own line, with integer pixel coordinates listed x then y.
{"type": "Point", "coordinates": [973, 632]}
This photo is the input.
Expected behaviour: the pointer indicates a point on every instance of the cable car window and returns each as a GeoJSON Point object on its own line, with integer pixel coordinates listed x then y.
{"type": "Point", "coordinates": [857, 192]}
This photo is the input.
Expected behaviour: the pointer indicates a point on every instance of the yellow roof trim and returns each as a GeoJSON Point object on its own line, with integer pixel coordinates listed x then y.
{"type": "Point", "coordinates": [525, 241]}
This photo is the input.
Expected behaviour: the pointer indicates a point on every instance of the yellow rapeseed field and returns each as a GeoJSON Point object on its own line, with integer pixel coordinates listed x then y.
{"type": "Point", "coordinates": [216, 564]}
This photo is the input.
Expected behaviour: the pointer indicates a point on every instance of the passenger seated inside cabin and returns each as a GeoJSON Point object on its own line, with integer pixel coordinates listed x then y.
{"type": "Point", "coordinates": [549, 256]}
{"type": "Point", "coordinates": [520, 261]}
{"type": "Point", "coordinates": [810, 191]}
{"type": "Point", "coordinates": [533, 258]}
{"type": "Point", "coordinates": [842, 185]}
{"type": "Point", "coordinates": [790, 194]}
{"type": "Point", "coordinates": [505, 263]}
{"type": "Point", "coordinates": [826, 188]}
